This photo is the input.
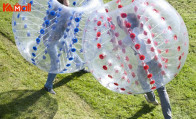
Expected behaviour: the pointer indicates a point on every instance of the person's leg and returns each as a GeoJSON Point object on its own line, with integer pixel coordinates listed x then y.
{"type": "Point", "coordinates": [49, 82]}
{"type": "Point", "coordinates": [151, 96]}
{"type": "Point", "coordinates": [165, 104]}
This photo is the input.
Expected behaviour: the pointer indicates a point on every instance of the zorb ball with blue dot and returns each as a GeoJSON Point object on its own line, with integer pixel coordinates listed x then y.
{"type": "Point", "coordinates": [136, 46]}
{"type": "Point", "coordinates": [50, 35]}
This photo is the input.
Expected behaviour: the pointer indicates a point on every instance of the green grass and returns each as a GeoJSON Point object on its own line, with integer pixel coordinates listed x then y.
{"type": "Point", "coordinates": [79, 95]}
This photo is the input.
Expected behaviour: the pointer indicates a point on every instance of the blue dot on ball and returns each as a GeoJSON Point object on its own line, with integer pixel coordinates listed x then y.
{"type": "Point", "coordinates": [42, 31]}
{"type": "Point", "coordinates": [54, 27]}
{"type": "Point", "coordinates": [47, 22]}
{"type": "Point", "coordinates": [23, 18]}
{"type": "Point", "coordinates": [71, 18]}
{"type": "Point", "coordinates": [58, 15]}
{"type": "Point", "coordinates": [64, 69]}
{"type": "Point", "coordinates": [60, 9]}
{"type": "Point", "coordinates": [45, 51]}
{"type": "Point", "coordinates": [44, 57]}
{"type": "Point", "coordinates": [23, 8]}
{"type": "Point", "coordinates": [14, 23]}
{"type": "Point", "coordinates": [53, 13]}
{"type": "Point", "coordinates": [69, 23]}
{"type": "Point", "coordinates": [32, 60]}
{"type": "Point", "coordinates": [28, 34]}
{"type": "Point", "coordinates": [56, 21]}
{"type": "Point", "coordinates": [68, 65]}
{"type": "Point", "coordinates": [37, 40]}
{"type": "Point", "coordinates": [35, 48]}
{"type": "Point", "coordinates": [63, 42]}
{"type": "Point", "coordinates": [77, 19]}
{"type": "Point", "coordinates": [33, 54]}
{"type": "Point", "coordinates": [65, 35]}
{"type": "Point", "coordinates": [73, 50]}
{"type": "Point", "coordinates": [74, 3]}
{"type": "Point", "coordinates": [75, 40]}
{"type": "Point", "coordinates": [59, 55]}
{"type": "Point", "coordinates": [76, 30]}
{"type": "Point", "coordinates": [25, 26]}
{"type": "Point", "coordinates": [31, 2]}
{"type": "Point", "coordinates": [18, 16]}
{"type": "Point", "coordinates": [67, 30]}
{"type": "Point", "coordinates": [49, 6]}
{"type": "Point", "coordinates": [47, 12]}
{"type": "Point", "coordinates": [71, 58]}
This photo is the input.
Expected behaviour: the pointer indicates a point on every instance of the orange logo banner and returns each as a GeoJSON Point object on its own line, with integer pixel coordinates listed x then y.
{"type": "Point", "coordinates": [16, 8]}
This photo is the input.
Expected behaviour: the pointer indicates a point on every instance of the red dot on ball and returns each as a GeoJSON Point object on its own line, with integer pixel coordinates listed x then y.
{"type": "Point", "coordinates": [122, 89]}
{"type": "Point", "coordinates": [116, 84]}
{"type": "Point", "coordinates": [110, 76]}
{"type": "Point", "coordinates": [137, 46]}
{"type": "Point", "coordinates": [98, 45]}
{"type": "Point", "coordinates": [154, 87]}
{"type": "Point", "coordinates": [132, 35]}
{"type": "Point", "coordinates": [123, 15]}
{"type": "Point", "coordinates": [112, 27]}
{"type": "Point", "coordinates": [169, 28]}
{"type": "Point", "coordinates": [101, 56]}
{"type": "Point", "coordinates": [142, 57]}
{"type": "Point", "coordinates": [133, 74]}
{"type": "Point", "coordinates": [152, 49]}
{"type": "Point", "coordinates": [149, 76]}
{"type": "Point", "coordinates": [106, 10]}
{"type": "Point", "coordinates": [130, 66]}
{"type": "Point", "coordinates": [146, 67]}
{"type": "Point", "coordinates": [120, 6]}
{"type": "Point", "coordinates": [128, 25]}
{"type": "Point", "coordinates": [152, 82]}
{"type": "Point", "coordinates": [105, 67]}
{"type": "Point", "coordinates": [149, 41]}
{"type": "Point", "coordinates": [159, 51]}
{"type": "Point", "coordinates": [175, 37]}
{"type": "Point", "coordinates": [98, 34]}
{"type": "Point", "coordinates": [180, 57]}
{"type": "Point", "coordinates": [163, 72]}
{"type": "Point", "coordinates": [178, 66]}
{"type": "Point", "coordinates": [98, 23]}
{"type": "Point", "coordinates": [178, 48]}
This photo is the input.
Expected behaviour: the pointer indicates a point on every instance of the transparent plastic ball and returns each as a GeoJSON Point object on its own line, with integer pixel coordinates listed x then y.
{"type": "Point", "coordinates": [134, 47]}
{"type": "Point", "coordinates": [50, 35]}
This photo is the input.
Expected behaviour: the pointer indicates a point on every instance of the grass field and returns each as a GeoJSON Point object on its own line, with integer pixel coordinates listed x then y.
{"type": "Point", "coordinates": [79, 95]}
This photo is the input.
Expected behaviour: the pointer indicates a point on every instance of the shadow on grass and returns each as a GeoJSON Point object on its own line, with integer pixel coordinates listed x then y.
{"type": "Point", "coordinates": [144, 110]}
{"type": "Point", "coordinates": [69, 78]}
{"type": "Point", "coordinates": [27, 104]}
{"type": "Point", "coordinates": [31, 103]}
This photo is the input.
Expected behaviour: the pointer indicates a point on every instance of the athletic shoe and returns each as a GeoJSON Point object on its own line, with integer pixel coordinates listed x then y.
{"type": "Point", "coordinates": [153, 102]}
{"type": "Point", "coordinates": [50, 90]}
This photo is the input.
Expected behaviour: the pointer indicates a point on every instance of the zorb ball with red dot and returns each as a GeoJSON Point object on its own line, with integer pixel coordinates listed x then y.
{"type": "Point", "coordinates": [136, 46]}
{"type": "Point", "coordinates": [50, 35]}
